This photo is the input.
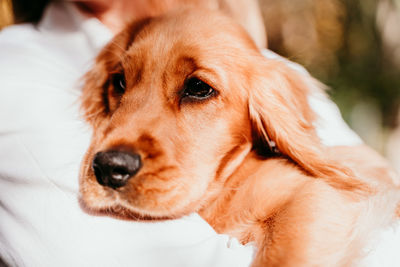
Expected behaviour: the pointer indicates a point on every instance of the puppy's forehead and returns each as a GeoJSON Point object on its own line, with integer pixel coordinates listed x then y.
{"type": "Point", "coordinates": [188, 30]}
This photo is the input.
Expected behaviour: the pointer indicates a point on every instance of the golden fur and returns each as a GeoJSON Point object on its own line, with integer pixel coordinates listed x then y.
{"type": "Point", "coordinates": [307, 205]}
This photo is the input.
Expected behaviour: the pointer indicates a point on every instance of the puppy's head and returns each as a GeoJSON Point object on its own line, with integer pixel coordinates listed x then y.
{"type": "Point", "coordinates": [176, 103]}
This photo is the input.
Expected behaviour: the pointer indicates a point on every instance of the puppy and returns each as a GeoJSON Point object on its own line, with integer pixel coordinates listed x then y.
{"type": "Point", "coordinates": [188, 116]}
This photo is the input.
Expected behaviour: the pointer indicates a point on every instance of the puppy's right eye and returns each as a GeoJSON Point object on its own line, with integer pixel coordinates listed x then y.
{"type": "Point", "coordinates": [118, 82]}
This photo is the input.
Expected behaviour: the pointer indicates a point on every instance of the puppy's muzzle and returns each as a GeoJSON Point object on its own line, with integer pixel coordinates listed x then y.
{"type": "Point", "coordinates": [114, 168]}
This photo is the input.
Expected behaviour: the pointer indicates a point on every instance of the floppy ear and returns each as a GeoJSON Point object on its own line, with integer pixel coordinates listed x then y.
{"type": "Point", "coordinates": [95, 104]}
{"type": "Point", "coordinates": [281, 116]}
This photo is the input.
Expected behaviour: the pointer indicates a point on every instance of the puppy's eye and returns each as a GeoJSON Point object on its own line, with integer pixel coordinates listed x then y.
{"type": "Point", "coordinates": [118, 82]}
{"type": "Point", "coordinates": [197, 89]}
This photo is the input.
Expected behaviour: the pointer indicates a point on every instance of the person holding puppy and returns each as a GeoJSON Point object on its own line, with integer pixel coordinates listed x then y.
{"type": "Point", "coordinates": [43, 138]}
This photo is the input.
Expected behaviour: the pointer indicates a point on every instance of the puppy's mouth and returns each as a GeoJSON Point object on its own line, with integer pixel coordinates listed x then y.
{"type": "Point", "coordinates": [120, 212]}
{"type": "Point", "coordinates": [118, 203]}
{"type": "Point", "coordinates": [152, 194]}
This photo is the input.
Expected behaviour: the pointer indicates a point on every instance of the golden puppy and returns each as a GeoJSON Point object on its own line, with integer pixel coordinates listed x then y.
{"type": "Point", "coordinates": [188, 116]}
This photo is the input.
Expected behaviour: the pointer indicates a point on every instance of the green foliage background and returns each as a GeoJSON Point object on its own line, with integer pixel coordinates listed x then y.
{"type": "Point", "coordinates": [365, 71]}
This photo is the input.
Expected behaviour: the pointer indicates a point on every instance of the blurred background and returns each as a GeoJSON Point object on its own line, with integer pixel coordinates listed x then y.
{"type": "Point", "coordinates": [353, 46]}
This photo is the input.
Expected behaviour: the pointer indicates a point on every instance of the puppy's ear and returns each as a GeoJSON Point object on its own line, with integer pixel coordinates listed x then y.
{"type": "Point", "coordinates": [281, 116]}
{"type": "Point", "coordinates": [95, 104]}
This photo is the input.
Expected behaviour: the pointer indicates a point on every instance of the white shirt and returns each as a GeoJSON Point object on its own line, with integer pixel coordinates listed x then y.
{"type": "Point", "coordinates": [42, 141]}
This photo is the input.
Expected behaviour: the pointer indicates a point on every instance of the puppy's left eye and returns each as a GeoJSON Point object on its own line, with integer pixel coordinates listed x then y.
{"type": "Point", "coordinates": [197, 89]}
{"type": "Point", "coordinates": [118, 82]}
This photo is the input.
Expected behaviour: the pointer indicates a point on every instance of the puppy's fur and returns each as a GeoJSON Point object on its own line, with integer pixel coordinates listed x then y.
{"type": "Point", "coordinates": [300, 203]}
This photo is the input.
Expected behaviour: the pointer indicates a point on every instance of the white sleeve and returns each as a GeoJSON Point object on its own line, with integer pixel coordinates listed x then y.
{"type": "Point", "coordinates": [330, 126]}
{"type": "Point", "coordinates": [42, 141]}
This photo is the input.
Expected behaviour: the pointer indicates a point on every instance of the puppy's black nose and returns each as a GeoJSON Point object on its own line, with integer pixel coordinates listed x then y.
{"type": "Point", "coordinates": [114, 168]}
